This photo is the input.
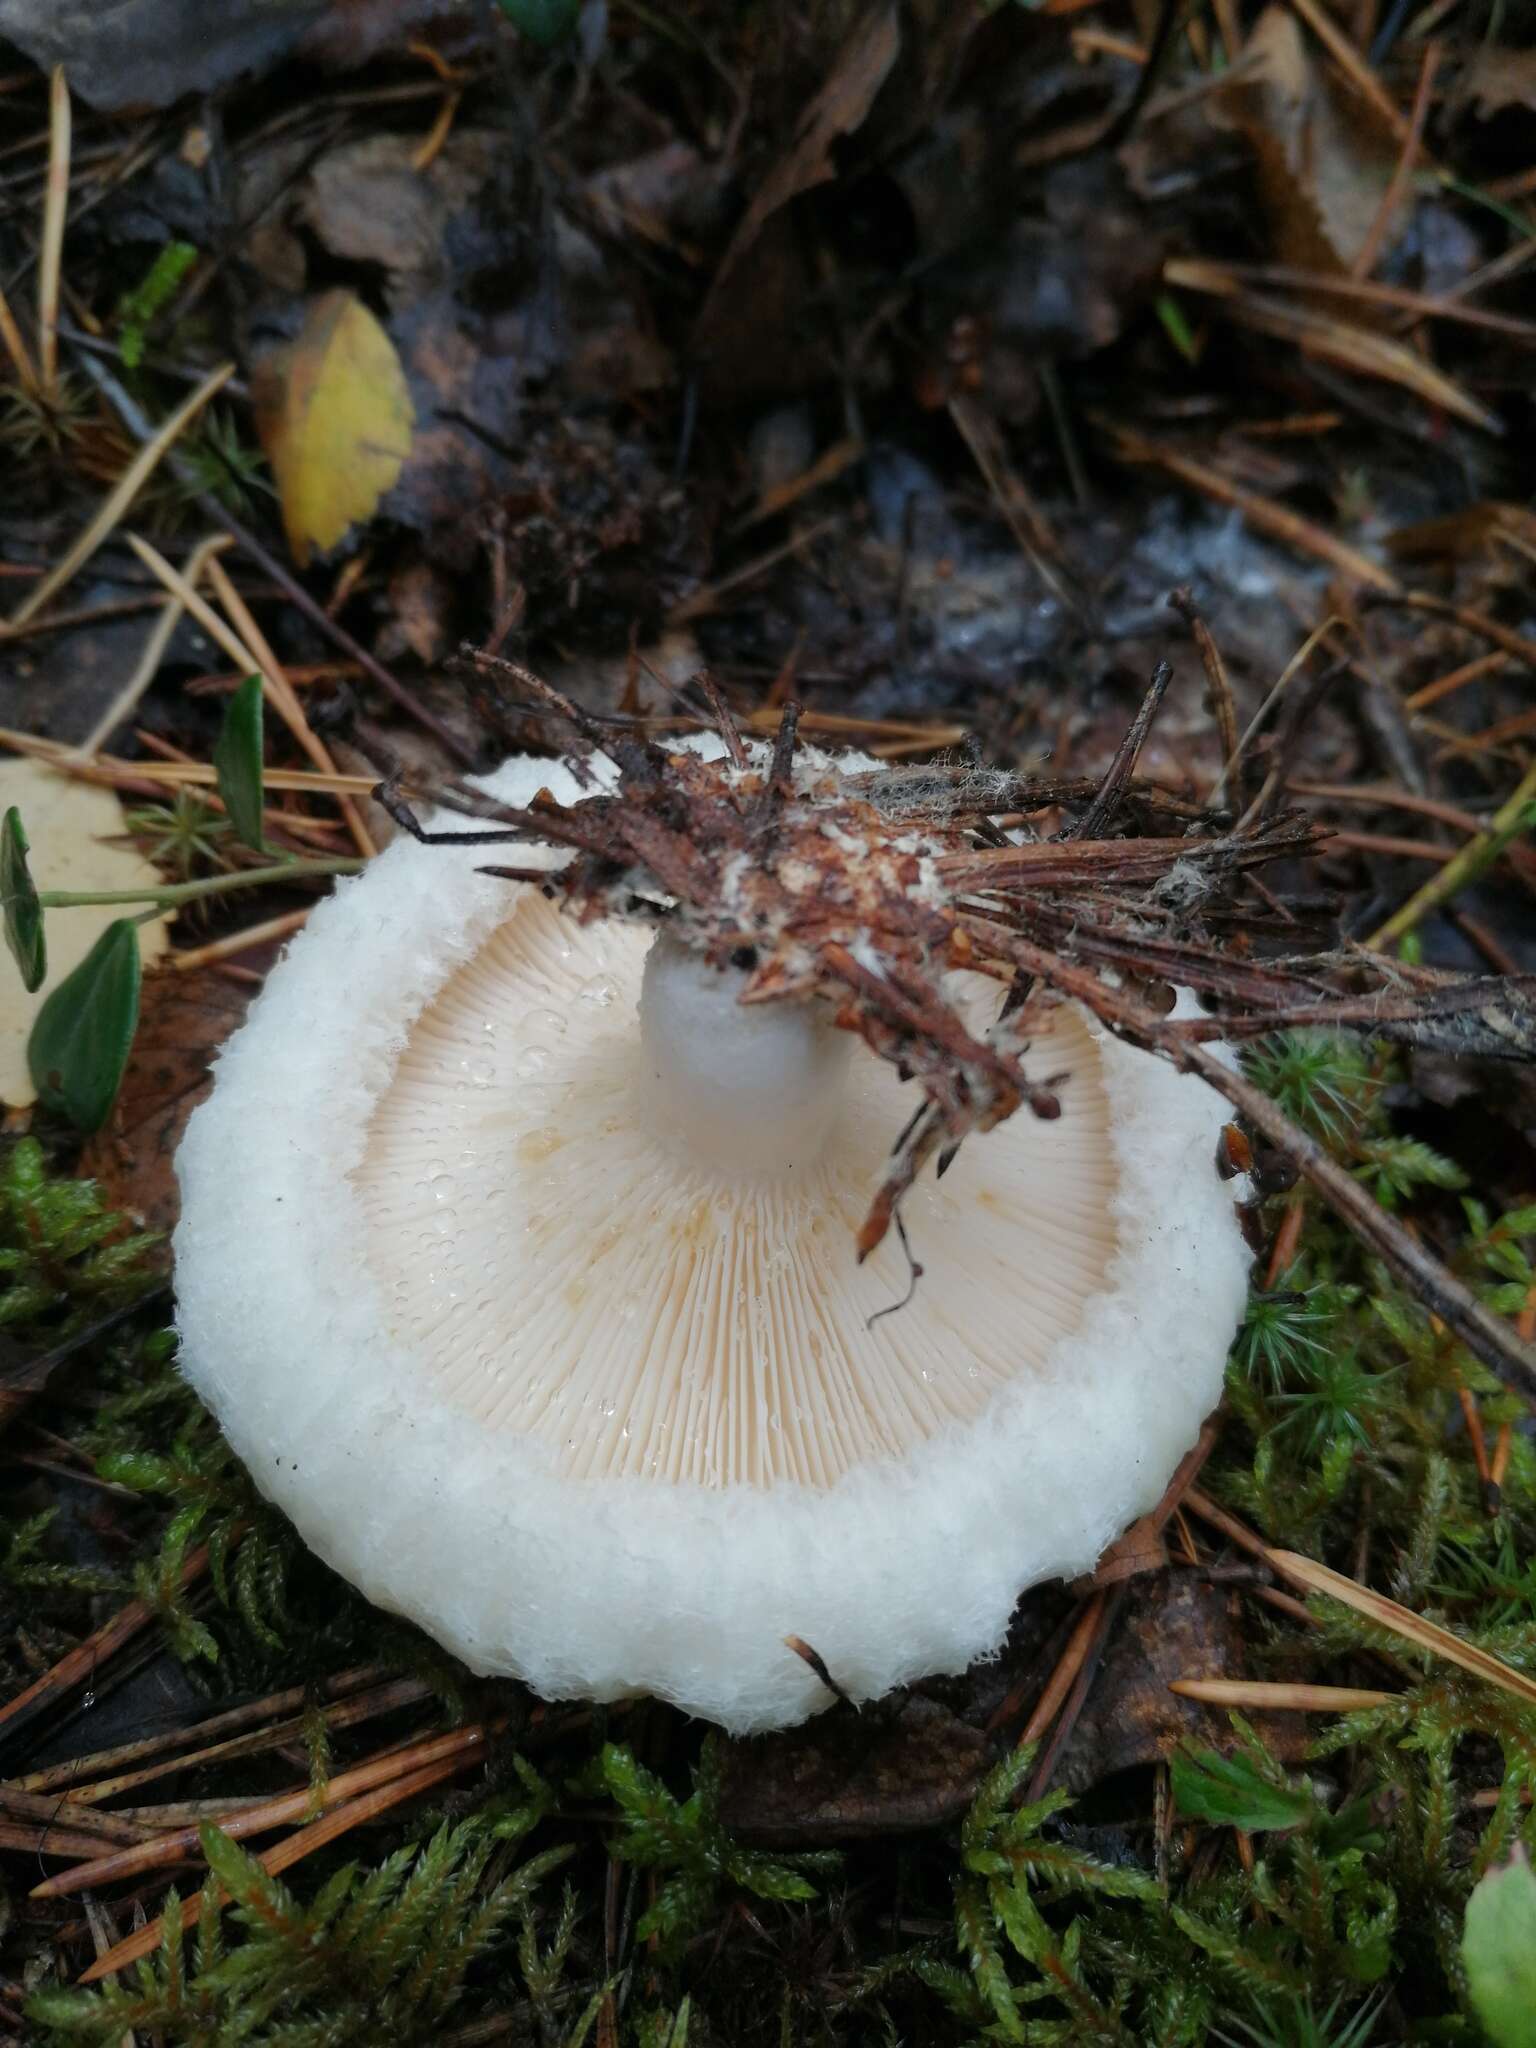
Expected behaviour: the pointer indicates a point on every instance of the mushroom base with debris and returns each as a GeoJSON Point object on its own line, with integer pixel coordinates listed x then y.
{"type": "Point", "coordinates": [568, 1318]}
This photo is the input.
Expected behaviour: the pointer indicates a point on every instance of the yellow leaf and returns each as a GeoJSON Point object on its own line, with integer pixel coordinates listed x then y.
{"type": "Point", "coordinates": [335, 417]}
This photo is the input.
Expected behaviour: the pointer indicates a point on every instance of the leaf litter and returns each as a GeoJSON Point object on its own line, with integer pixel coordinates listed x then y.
{"type": "Point", "coordinates": [867, 365]}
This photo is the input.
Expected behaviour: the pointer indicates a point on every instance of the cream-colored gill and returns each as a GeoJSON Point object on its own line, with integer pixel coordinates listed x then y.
{"type": "Point", "coordinates": [571, 1266]}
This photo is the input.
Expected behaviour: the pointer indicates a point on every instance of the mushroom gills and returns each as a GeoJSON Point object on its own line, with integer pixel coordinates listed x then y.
{"type": "Point", "coordinates": [636, 1249]}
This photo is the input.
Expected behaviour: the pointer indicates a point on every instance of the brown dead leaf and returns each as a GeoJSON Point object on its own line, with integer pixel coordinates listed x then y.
{"type": "Point", "coordinates": [1461, 534]}
{"type": "Point", "coordinates": [368, 202]}
{"type": "Point", "coordinates": [183, 1020]}
{"type": "Point", "coordinates": [1322, 334]}
{"type": "Point", "coordinates": [1171, 1626]}
{"type": "Point", "coordinates": [335, 417]}
{"type": "Point", "coordinates": [902, 1764]}
{"type": "Point", "coordinates": [1324, 164]}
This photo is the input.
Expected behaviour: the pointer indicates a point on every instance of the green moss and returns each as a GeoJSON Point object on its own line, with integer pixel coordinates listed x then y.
{"type": "Point", "coordinates": [65, 1259]}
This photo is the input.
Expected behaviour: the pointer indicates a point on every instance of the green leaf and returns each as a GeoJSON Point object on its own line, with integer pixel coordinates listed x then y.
{"type": "Point", "coordinates": [79, 1044]}
{"type": "Point", "coordinates": [1231, 1793]}
{"type": "Point", "coordinates": [546, 22]}
{"type": "Point", "coordinates": [23, 912]}
{"type": "Point", "coordinates": [237, 760]}
{"type": "Point", "coordinates": [1499, 1949]}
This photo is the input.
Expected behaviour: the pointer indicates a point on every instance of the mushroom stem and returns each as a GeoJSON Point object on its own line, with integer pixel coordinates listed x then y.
{"type": "Point", "coordinates": [753, 1088]}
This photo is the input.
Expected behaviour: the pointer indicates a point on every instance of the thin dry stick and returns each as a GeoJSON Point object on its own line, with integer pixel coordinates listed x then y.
{"type": "Point", "coordinates": [1068, 1665]}
{"type": "Point", "coordinates": [1385, 796]}
{"type": "Point", "coordinates": [1223, 709]}
{"type": "Point", "coordinates": [1276, 520]}
{"type": "Point", "coordinates": [1354, 348]}
{"type": "Point", "coordinates": [705, 601]}
{"type": "Point", "coordinates": [148, 665]}
{"type": "Point", "coordinates": [16, 348]}
{"type": "Point", "coordinates": [764, 718]}
{"type": "Point", "coordinates": [275, 688]}
{"type": "Point", "coordinates": [236, 943]}
{"type": "Point", "coordinates": [1501, 1451]}
{"type": "Point", "coordinates": [79, 1768]}
{"type": "Point", "coordinates": [1402, 1621]}
{"type": "Point", "coordinates": [133, 419]}
{"type": "Point", "coordinates": [1262, 1695]}
{"type": "Point", "coordinates": [202, 774]}
{"type": "Point", "coordinates": [1394, 845]}
{"type": "Point", "coordinates": [119, 498]}
{"type": "Point", "coordinates": [1473, 1417]}
{"type": "Point", "coordinates": [50, 261]}
{"type": "Point", "coordinates": [1198, 273]}
{"type": "Point", "coordinates": [298, 1846]}
{"type": "Point", "coordinates": [1517, 644]}
{"type": "Point", "coordinates": [179, 1813]}
{"type": "Point", "coordinates": [387, 1698]}
{"type": "Point", "coordinates": [85, 1658]}
{"type": "Point", "coordinates": [292, 710]}
{"type": "Point", "coordinates": [200, 609]}
{"type": "Point", "coordinates": [1302, 655]}
{"type": "Point", "coordinates": [68, 1813]}
{"type": "Point", "coordinates": [1483, 1333]}
{"type": "Point", "coordinates": [1077, 1696]}
{"type": "Point", "coordinates": [1351, 63]}
{"type": "Point", "coordinates": [1287, 1238]}
{"type": "Point", "coordinates": [1392, 198]}
{"type": "Point", "coordinates": [1235, 1531]}
{"type": "Point", "coordinates": [272, 1813]}
{"type": "Point", "coordinates": [39, 1839]}
{"type": "Point", "coordinates": [1036, 542]}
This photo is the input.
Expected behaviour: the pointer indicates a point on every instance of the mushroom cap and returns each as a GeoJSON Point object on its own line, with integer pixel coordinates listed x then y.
{"type": "Point", "coordinates": [607, 1416]}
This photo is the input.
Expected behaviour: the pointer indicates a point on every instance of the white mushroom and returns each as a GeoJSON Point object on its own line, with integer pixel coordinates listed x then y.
{"type": "Point", "coordinates": [543, 1320]}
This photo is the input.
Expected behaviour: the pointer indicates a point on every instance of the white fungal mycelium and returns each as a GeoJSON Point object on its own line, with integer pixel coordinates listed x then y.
{"type": "Point", "coordinates": [517, 1261]}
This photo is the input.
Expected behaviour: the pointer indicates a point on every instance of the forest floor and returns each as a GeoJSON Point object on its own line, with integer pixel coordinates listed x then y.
{"type": "Point", "coordinates": [903, 362]}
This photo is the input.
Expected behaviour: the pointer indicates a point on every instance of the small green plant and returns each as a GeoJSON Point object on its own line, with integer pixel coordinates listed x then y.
{"type": "Point", "coordinates": [83, 1034]}
{"type": "Point", "coordinates": [184, 838]}
{"type": "Point", "coordinates": [65, 1258]}
{"type": "Point", "coordinates": [373, 1957]}
{"type": "Point", "coordinates": [1007, 1853]}
{"type": "Point", "coordinates": [685, 1840]}
{"type": "Point", "coordinates": [156, 1439]}
{"type": "Point", "coordinates": [1321, 1079]}
{"type": "Point", "coordinates": [214, 461]}
{"type": "Point", "coordinates": [1296, 2023]}
{"type": "Point", "coordinates": [138, 309]}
